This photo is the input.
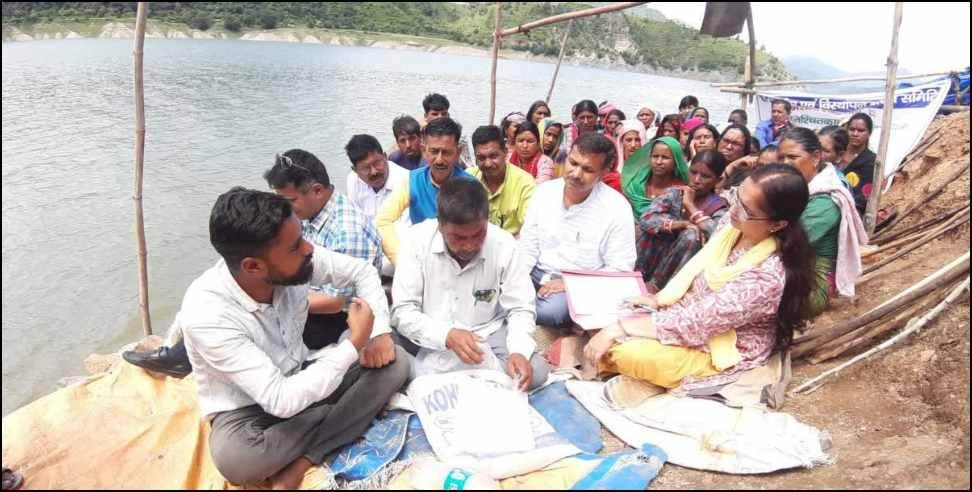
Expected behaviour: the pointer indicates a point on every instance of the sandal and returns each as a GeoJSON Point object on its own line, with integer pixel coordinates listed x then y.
{"type": "Point", "coordinates": [11, 479]}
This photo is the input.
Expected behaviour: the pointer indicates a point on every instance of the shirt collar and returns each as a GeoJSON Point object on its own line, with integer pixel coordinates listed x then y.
{"type": "Point", "coordinates": [324, 216]}
{"type": "Point", "coordinates": [235, 291]}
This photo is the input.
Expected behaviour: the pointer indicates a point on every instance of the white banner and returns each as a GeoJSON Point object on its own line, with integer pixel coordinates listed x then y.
{"type": "Point", "coordinates": [914, 108]}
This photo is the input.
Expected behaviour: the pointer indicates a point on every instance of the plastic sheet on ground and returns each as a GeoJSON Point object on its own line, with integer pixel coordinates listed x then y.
{"type": "Point", "coordinates": [568, 417]}
{"type": "Point", "coordinates": [706, 435]}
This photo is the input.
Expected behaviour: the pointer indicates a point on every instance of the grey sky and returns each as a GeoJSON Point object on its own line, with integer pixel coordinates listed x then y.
{"type": "Point", "coordinates": [855, 37]}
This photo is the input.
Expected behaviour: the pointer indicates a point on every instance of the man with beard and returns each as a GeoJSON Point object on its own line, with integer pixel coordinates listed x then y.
{"type": "Point", "coordinates": [374, 179]}
{"type": "Point", "coordinates": [510, 188]}
{"type": "Point", "coordinates": [329, 220]}
{"type": "Point", "coordinates": [272, 414]}
{"type": "Point", "coordinates": [462, 293]}
{"type": "Point", "coordinates": [440, 148]}
{"type": "Point", "coordinates": [576, 223]}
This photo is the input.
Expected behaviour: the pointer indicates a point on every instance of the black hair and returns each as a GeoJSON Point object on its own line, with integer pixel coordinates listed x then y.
{"type": "Point", "coordinates": [528, 126]}
{"type": "Point", "coordinates": [486, 134]}
{"type": "Point", "coordinates": [435, 102]}
{"type": "Point", "coordinates": [674, 119]}
{"type": "Point", "coordinates": [688, 101]}
{"type": "Point", "coordinates": [786, 104]}
{"type": "Point", "coordinates": [754, 146]}
{"type": "Point", "coordinates": [618, 112]}
{"type": "Point", "coordinates": [595, 143]}
{"type": "Point", "coordinates": [585, 105]}
{"type": "Point", "coordinates": [405, 125]}
{"type": "Point", "coordinates": [297, 168]}
{"type": "Point", "coordinates": [462, 201]}
{"type": "Point", "coordinates": [712, 159]}
{"type": "Point", "coordinates": [443, 126]}
{"type": "Point", "coordinates": [360, 146]}
{"type": "Point", "coordinates": [703, 109]}
{"type": "Point", "coordinates": [865, 118]}
{"type": "Point", "coordinates": [713, 130]}
{"type": "Point", "coordinates": [804, 137]}
{"type": "Point", "coordinates": [839, 135]}
{"type": "Point", "coordinates": [534, 107]}
{"type": "Point", "coordinates": [769, 148]}
{"type": "Point", "coordinates": [737, 176]}
{"type": "Point", "coordinates": [785, 196]}
{"type": "Point", "coordinates": [741, 112]}
{"type": "Point", "coordinates": [748, 149]}
{"type": "Point", "coordinates": [243, 223]}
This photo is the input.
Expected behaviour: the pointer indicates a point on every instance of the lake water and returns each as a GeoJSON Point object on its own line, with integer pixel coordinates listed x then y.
{"type": "Point", "coordinates": [216, 113]}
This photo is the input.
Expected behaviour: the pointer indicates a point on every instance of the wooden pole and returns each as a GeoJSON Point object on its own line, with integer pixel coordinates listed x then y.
{"type": "Point", "coordinates": [913, 326]}
{"type": "Point", "coordinates": [919, 242]}
{"type": "Point", "coordinates": [563, 44]}
{"type": "Point", "coordinates": [570, 16]}
{"type": "Point", "coordinates": [784, 83]}
{"type": "Point", "coordinates": [751, 77]}
{"type": "Point", "coordinates": [874, 201]}
{"type": "Point", "coordinates": [137, 51]}
{"type": "Point", "coordinates": [747, 74]}
{"type": "Point", "coordinates": [881, 240]}
{"type": "Point", "coordinates": [492, 73]}
{"type": "Point", "coordinates": [955, 268]}
{"type": "Point", "coordinates": [932, 193]}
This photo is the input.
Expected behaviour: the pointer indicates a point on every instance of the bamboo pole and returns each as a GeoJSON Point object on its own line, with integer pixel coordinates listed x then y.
{"type": "Point", "coordinates": [563, 44]}
{"type": "Point", "coordinates": [492, 72]}
{"type": "Point", "coordinates": [785, 83]}
{"type": "Point", "coordinates": [855, 339]}
{"type": "Point", "coordinates": [928, 196]}
{"type": "Point", "coordinates": [137, 52]}
{"type": "Point", "coordinates": [912, 327]}
{"type": "Point", "coordinates": [751, 78]}
{"type": "Point", "coordinates": [935, 234]}
{"type": "Point", "coordinates": [881, 240]}
{"type": "Point", "coordinates": [874, 201]}
{"type": "Point", "coordinates": [810, 341]}
{"type": "Point", "coordinates": [747, 74]}
{"type": "Point", "coordinates": [570, 16]}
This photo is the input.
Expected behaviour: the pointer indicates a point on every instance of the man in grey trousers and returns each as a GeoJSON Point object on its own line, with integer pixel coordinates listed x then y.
{"type": "Point", "coordinates": [274, 414]}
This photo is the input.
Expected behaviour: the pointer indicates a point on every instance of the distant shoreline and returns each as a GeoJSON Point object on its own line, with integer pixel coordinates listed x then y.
{"type": "Point", "coordinates": [158, 30]}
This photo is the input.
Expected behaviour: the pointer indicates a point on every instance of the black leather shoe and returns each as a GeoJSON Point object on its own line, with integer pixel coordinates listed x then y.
{"type": "Point", "coordinates": [172, 362]}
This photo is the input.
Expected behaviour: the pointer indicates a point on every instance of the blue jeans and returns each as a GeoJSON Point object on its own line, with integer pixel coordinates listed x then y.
{"type": "Point", "coordinates": [552, 310]}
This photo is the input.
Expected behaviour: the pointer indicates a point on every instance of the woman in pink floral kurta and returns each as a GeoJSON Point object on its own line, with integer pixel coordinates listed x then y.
{"type": "Point", "coordinates": [762, 304]}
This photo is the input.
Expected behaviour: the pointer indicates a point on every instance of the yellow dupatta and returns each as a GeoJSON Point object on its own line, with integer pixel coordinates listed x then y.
{"type": "Point", "coordinates": [711, 262]}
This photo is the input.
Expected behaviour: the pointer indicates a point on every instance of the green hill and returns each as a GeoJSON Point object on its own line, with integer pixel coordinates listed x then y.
{"type": "Point", "coordinates": [639, 37]}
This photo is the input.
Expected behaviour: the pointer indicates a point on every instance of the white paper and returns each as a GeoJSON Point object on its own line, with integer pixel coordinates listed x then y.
{"type": "Point", "coordinates": [597, 296]}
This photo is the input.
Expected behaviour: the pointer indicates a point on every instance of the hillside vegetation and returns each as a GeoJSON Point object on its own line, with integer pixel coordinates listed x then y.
{"type": "Point", "coordinates": [638, 37]}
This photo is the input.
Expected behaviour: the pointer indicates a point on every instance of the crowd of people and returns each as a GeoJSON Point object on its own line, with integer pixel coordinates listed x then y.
{"type": "Point", "coordinates": [740, 239]}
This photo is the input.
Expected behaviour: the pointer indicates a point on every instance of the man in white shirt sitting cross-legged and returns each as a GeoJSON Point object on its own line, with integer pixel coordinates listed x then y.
{"type": "Point", "coordinates": [576, 223]}
{"type": "Point", "coordinates": [273, 415]}
{"type": "Point", "coordinates": [462, 294]}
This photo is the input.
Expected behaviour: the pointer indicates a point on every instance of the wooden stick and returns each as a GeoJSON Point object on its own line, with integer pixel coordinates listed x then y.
{"type": "Point", "coordinates": [955, 222]}
{"type": "Point", "coordinates": [563, 44]}
{"type": "Point", "coordinates": [810, 341]}
{"type": "Point", "coordinates": [924, 144]}
{"type": "Point", "coordinates": [929, 195]}
{"type": "Point", "coordinates": [913, 237]}
{"type": "Point", "coordinates": [137, 53]}
{"type": "Point", "coordinates": [751, 78]}
{"type": "Point", "coordinates": [570, 16]}
{"type": "Point", "coordinates": [784, 83]}
{"type": "Point", "coordinates": [913, 326]}
{"type": "Point", "coordinates": [854, 339]}
{"type": "Point", "coordinates": [887, 117]}
{"type": "Point", "coordinates": [881, 239]}
{"type": "Point", "coordinates": [492, 71]}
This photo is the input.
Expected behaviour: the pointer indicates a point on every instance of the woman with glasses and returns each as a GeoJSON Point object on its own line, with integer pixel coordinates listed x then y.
{"type": "Point", "coordinates": [830, 220]}
{"type": "Point", "coordinates": [735, 302]}
{"type": "Point", "coordinates": [677, 223]}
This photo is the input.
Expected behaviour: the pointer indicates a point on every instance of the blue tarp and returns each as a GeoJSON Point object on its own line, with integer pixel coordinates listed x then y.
{"type": "Point", "coordinates": [568, 417]}
{"type": "Point", "coordinates": [624, 470]}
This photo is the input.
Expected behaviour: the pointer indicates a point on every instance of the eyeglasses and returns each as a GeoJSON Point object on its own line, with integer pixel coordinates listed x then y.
{"type": "Point", "coordinates": [286, 161]}
{"type": "Point", "coordinates": [738, 209]}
